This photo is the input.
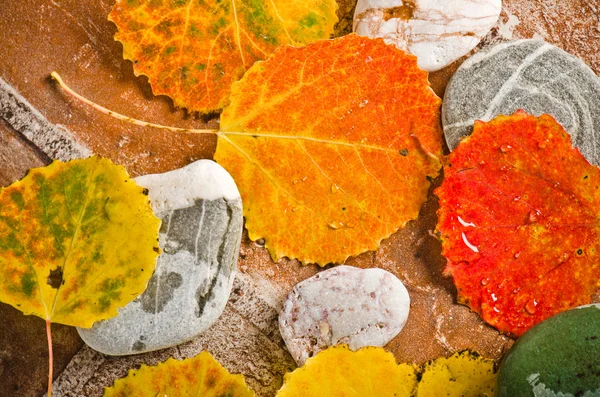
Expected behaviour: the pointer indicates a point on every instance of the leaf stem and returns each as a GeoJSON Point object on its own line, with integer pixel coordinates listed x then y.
{"type": "Point", "coordinates": [121, 117]}
{"type": "Point", "coordinates": [50, 357]}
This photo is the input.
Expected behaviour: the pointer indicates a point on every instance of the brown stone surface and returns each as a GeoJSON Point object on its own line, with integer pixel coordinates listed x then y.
{"type": "Point", "coordinates": [75, 39]}
{"type": "Point", "coordinates": [17, 156]}
{"type": "Point", "coordinates": [572, 25]}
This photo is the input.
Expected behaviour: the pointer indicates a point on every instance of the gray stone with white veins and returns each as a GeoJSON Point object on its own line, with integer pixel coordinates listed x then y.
{"type": "Point", "coordinates": [344, 304]}
{"type": "Point", "coordinates": [201, 212]}
{"type": "Point", "coordinates": [526, 74]}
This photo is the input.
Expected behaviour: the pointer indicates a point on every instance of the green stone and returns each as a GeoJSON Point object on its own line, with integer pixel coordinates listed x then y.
{"type": "Point", "coordinates": [558, 357]}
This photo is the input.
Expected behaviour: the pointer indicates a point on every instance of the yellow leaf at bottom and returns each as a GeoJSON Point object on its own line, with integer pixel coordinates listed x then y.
{"type": "Point", "coordinates": [464, 374]}
{"type": "Point", "coordinates": [340, 372]}
{"type": "Point", "coordinates": [198, 376]}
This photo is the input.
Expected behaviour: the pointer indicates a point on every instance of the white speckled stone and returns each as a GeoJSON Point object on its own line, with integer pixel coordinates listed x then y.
{"type": "Point", "coordinates": [526, 74]}
{"type": "Point", "coordinates": [201, 212]}
{"type": "Point", "coordinates": [359, 307]}
{"type": "Point", "coordinates": [438, 32]}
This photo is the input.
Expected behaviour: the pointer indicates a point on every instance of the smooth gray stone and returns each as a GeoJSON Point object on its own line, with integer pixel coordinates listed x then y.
{"type": "Point", "coordinates": [526, 74]}
{"type": "Point", "coordinates": [201, 212]}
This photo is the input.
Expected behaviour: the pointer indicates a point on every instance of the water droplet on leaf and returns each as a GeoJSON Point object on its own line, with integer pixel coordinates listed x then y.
{"type": "Point", "coordinates": [534, 216]}
{"type": "Point", "coordinates": [335, 225]}
{"type": "Point", "coordinates": [530, 307]}
{"type": "Point", "coordinates": [563, 258]}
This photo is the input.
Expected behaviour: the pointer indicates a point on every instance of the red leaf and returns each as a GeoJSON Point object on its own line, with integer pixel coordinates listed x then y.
{"type": "Point", "coordinates": [518, 217]}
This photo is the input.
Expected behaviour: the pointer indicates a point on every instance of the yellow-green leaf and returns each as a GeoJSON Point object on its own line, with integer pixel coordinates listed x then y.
{"type": "Point", "coordinates": [464, 374]}
{"type": "Point", "coordinates": [341, 372]}
{"type": "Point", "coordinates": [77, 241]}
{"type": "Point", "coordinates": [198, 376]}
{"type": "Point", "coordinates": [193, 50]}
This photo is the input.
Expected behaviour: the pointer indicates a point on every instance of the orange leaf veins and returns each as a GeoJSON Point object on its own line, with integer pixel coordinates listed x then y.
{"type": "Point", "coordinates": [331, 146]}
{"type": "Point", "coordinates": [518, 218]}
{"type": "Point", "coordinates": [193, 50]}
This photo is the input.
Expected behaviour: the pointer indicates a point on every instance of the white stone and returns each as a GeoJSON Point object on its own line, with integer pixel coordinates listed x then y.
{"type": "Point", "coordinates": [181, 188]}
{"type": "Point", "coordinates": [359, 307]}
{"type": "Point", "coordinates": [438, 32]}
{"type": "Point", "coordinates": [201, 212]}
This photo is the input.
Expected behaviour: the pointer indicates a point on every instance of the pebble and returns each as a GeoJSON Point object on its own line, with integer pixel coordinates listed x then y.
{"type": "Point", "coordinates": [526, 74]}
{"type": "Point", "coordinates": [344, 304]}
{"type": "Point", "coordinates": [201, 212]}
{"type": "Point", "coordinates": [557, 357]}
{"type": "Point", "coordinates": [437, 32]}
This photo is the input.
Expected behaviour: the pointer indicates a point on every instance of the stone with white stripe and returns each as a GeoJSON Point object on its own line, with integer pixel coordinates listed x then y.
{"type": "Point", "coordinates": [526, 74]}
{"type": "Point", "coordinates": [437, 32]}
{"type": "Point", "coordinates": [200, 236]}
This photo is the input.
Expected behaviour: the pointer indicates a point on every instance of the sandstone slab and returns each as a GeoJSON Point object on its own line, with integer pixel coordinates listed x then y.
{"type": "Point", "coordinates": [526, 74]}
{"type": "Point", "coordinates": [201, 210]}
{"type": "Point", "coordinates": [359, 307]}
{"type": "Point", "coordinates": [437, 32]}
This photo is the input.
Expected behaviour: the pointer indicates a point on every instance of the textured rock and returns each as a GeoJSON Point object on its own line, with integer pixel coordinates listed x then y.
{"type": "Point", "coordinates": [359, 307]}
{"type": "Point", "coordinates": [530, 75]}
{"type": "Point", "coordinates": [437, 32]}
{"type": "Point", "coordinates": [201, 211]}
{"type": "Point", "coordinates": [57, 142]}
{"type": "Point", "coordinates": [558, 357]}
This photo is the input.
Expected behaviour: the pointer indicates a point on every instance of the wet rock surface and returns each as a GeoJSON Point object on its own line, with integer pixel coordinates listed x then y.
{"type": "Point", "coordinates": [557, 357]}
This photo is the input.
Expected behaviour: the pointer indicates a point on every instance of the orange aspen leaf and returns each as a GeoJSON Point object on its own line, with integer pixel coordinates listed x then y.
{"type": "Point", "coordinates": [193, 50]}
{"type": "Point", "coordinates": [331, 146]}
{"type": "Point", "coordinates": [341, 372]}
{"type": "Point", "coordinates": [518, 219]}
{"type": "Point", "coordinates": [201, 375]}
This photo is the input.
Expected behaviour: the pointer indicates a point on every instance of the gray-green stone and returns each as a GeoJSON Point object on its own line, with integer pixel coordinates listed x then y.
{"type": "Point", "coordinates": [526, 74]}
{"type": "Point", "coordinates": [558, 357]}
{"type": "Point", "coordinates": [201, 212]}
